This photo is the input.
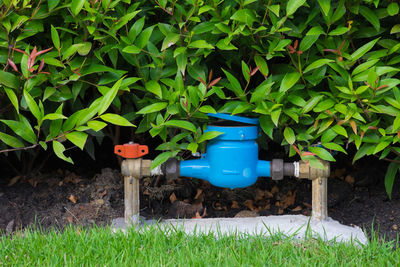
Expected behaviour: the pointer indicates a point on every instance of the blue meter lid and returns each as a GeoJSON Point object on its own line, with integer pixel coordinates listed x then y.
{"type": "Point", "coordinates": [225, 116]}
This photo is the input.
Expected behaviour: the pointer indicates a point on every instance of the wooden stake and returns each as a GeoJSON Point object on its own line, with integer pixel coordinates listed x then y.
{"type": "Point", "coordinates": [320, 198]}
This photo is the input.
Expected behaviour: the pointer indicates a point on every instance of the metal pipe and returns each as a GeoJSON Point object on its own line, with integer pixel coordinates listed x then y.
{"type": "Point", "coordinates": [280, 169]}
{"type": "Point", "coordinates": [133, 170]}
{"type": "Point", "coordinates": [289, 169]}
{"type": "Point", "coordinates": [320, 198]}
{"type": "Point", "coordinates": [319, 178]}
{"type": "Point", "coordinates": [131, 200]}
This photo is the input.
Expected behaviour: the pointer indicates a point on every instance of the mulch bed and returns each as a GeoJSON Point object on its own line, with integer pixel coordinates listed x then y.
{"type": "Point", "coordinates": [55, 199]}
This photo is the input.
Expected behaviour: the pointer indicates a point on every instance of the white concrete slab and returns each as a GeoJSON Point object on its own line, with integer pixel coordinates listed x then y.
{"type": "Point", "coordinates": [294, 226]}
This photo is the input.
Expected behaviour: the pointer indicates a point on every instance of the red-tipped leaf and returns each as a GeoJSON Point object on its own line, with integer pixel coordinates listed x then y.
{"type": "Point", "coordinates": [32, 58]}
{"type": "Point", "coordinates": [44, 51]}
{"type": "Point", "coordinates": [202, 81]}
{"type": "Point", "coordinates": [254, 71]}
{"type": "Point", "coordinates": [41, 65]}
{"type": "Point", "coordinates": [296, 43]}
{"type": "Point", "coordinates": [330, 50]}
{"type": "Point", "coordinates": [382, 86]}
{"type": "Point", "coordinates": [19, 50]}
{"type": "Point", "coordinates": [214, 82]}
{"type": "Point", "coordinates": [12, 64]}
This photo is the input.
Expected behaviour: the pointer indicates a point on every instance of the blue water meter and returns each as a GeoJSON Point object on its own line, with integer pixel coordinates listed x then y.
{"type": "Point", "coordinates": [231, 159]}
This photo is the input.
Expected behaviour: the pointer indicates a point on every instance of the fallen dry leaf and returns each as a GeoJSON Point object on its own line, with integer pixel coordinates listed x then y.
{"type": "Point", "coordinates": [289, 200]}
{"type": "Point", "coordinates": [259, 195]}
{"type": "Point", "coordinates": [199, 197]}
{"type": "Point", "coordinates": [235, 204]}
{"type": "Point", "coordinates": [217, 205]}
{"type": "Point", "coordinates": [249, 204]}
{"type": "Point", "coordinates": [280, 211]}
{"type": "Point", "coordinates": [103, 194]}
{"type": "Point", "coordinates": [98, 202]}
{"type": "Point", "coordinates": [395, 227]}
{"type": "Point", "coordinates": [274, 189]}
{"type": "Point", "coordinates": [349, 179]}
{"type": "Point", "coordinates": [60, 183]}
{"type": "Point", "coordinates": [198, 216]}
{"type": "Point", "coordinates": [307, 205]}
{"type": "Point", "coordinates": [70, 219]}
{"type": "Point", "coordinates": [33, 182]}
{"type": "Point", "coordinates": [14, 180]}
{"type": "Point", "coordinates": [199, 192]}
{"type": "Point", "coordinates": [173, 198]}
{"type": "Point", "coordinates": [268, 194]}
{"type": "Point", "coordinates": [339, 172]}
{"type": "Point", "coordinates": [298, 208]}
{"type": "Point", "coordinates": [71, 178]}
{"type": "Point", "coordinates": [265, 205]}
{"type": "Point", "coordinates": [73, 198]}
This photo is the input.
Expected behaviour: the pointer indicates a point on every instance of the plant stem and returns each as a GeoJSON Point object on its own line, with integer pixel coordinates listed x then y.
{"type": "Point", "coordinates": [390, 160]}
{"type": "Point", "coordinates": [363, 107]}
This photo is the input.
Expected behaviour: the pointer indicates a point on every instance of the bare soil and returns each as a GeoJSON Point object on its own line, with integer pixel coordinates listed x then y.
{"type": "Point", "coordinates": [53, 200]}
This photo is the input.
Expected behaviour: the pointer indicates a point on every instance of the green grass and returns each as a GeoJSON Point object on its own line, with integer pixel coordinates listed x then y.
{"type": "Point", "coordinates": [153, 247]}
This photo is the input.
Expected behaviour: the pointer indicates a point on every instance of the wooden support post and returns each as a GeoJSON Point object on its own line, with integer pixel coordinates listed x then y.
{"type": "Point", "coordinates": [320, 198]}
{"type": "Point", "coordinates": [319, 178]}
{"type": "Point", "coordinates": [133, 170]}
{"type": "Point", "coordinates": [131, 199]}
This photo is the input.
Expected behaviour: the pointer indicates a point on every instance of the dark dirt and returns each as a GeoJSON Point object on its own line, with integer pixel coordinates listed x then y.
{"type": "Point", "coordinates": [356, 197]}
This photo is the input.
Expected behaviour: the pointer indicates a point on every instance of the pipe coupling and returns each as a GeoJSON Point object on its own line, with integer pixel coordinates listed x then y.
{"type": "Point", "coordinates": [280, 169]}
{"type": "Point", "coordinates": [137, 168]}
{"type": "Point", "coordinates": [171, 169]}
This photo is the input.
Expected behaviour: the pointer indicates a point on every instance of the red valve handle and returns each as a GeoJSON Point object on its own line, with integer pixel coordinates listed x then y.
{"type": "Point", "coordinates": [131, 151]}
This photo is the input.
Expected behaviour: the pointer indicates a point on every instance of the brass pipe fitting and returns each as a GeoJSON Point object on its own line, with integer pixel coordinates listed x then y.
{"type": "Point", "coordinates": [137, 168]}
{"type": "Point", "coordinates": [319, 178]}
{"type": "Point", "coordinates": [133, 170]}
{"type": "Point", "coordinates": [311, 173]}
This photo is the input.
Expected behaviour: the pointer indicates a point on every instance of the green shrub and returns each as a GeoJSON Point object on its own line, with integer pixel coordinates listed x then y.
{"type": "Point", "coordinates": [312, 71]}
